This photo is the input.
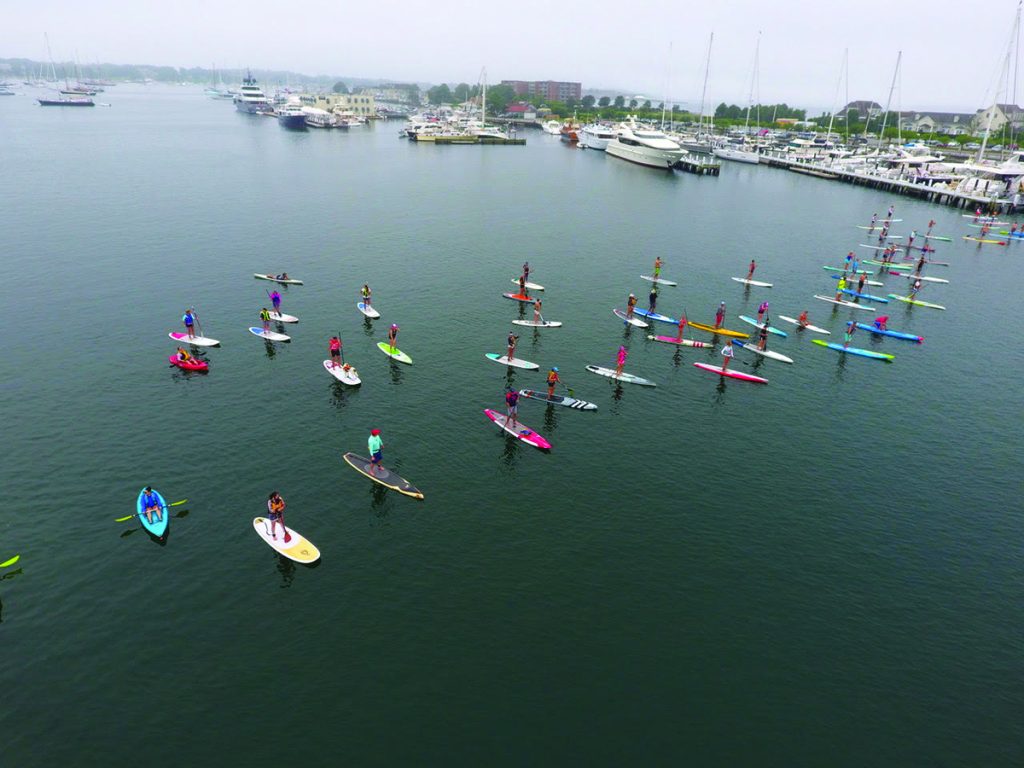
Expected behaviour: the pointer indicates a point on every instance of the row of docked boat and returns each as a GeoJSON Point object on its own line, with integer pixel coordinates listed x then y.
{"type": "Point", "coordinates": [629, 140]}
{"type": "Point", "coordinates": [289, 110]}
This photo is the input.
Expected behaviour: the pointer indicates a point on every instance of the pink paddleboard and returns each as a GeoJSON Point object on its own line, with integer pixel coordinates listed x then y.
{"type": "Point", "coordinates": [681, 342]}
{"type": "Point", "coordinates": [524, 433]}
{"type": "Point", "coordinates": [731, 374]}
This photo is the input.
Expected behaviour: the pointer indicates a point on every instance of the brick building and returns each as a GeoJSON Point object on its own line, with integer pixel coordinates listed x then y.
{"type": "Point", "coordinates": [555, 90]}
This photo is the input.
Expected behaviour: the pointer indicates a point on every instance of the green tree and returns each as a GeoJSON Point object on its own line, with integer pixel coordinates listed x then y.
{"type": "Point", "coordinates": [647, 104]}
{"type": "Point", "coordinates": [620, 102]}
{"type": "Point", "coordinates": [461, 92]}
{"type": "Point", "coordinates": [571, 102]}
{"type": "Point", "coordinates": [440, 94]}
{"type": "Point", "coordinates": [498, 98]}
{"type": "Point", "coordinates": [339, 87]}
{"type": "Point", "coordinates": [633, 103]}
{"type": "Point", "coordinates": [604, 101]}
{"type": "Point", "coordinates": [588, 102]}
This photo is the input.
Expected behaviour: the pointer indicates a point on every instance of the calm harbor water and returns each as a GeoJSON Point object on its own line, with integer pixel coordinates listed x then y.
{"type": "Point", "coordinates": [823, 571]}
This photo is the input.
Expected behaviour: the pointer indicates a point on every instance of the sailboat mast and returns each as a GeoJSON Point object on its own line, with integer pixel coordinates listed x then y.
{"type": "Point", "coordinates": [888, 102]}
{"type": "Point", "coordinates": [704, 90]}
{"type": "Point", "coordinates": [668, 86]}
{"type": "Point", "coordinates": [835, 101]}
{"type": "Point", "coordinates": [750, 98]}
{"type": "Point", "coordinates": [1006, 69]}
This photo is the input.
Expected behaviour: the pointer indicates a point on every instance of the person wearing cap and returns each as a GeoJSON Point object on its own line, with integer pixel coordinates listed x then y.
{"type": "Point", "coordinates": [275, 513]}
{"type": "Point", "coordinates": [393, 336]}
{"type": "Point", "coordinates": [151, 505]}
{"type": "Point", "coordinates": [720, 314]}
{"type": "Point", "coordinates": [376, 447]}
{"type": "Point", "coordinates": [189, 319]}
{"type": "Point", "coordinates": [552, 381]}
{"type": "Point", "coordinates": [851, 328]}
{"type": "Point", "coordinates": [652, 299]}
{"type": "Point", "coordinates": [630, 305]}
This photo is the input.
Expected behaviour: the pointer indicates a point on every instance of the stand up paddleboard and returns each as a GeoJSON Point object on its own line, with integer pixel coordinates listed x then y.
{"type": "Point", "coordinates": [275, 279]}
{"type": "Point", "coordinates": [758, 283]}
{"type": "Point", "coordinates": [858, 272]}
{"type": "Point", "coordinates": [730, 374]}
{"type": "Point", "coordinates": [770, 354]}
{"type": "Point", "coordinates": [517, 430]}
{"type": "Point", "coordinates": [627, 378]}
{"type": "Point", "coordinates": [519, 297]}
{"type": "Point", "coordinates": [981, 240]}
{"type": "Point", "coordinates": [631, 320]}
{"type": "Point", "coordinates": [867, 296]}
{"type": "Point", "coordinates": [771, 329]}
{"type": "Point", "coordinates": [282, 318]}
{"type": "Point", "coordinates": [189, 365]}
{"type": "Point", "coordinates": [370, 312]}
{"type": "Point", "coordinates": [655, 316]}
{"type": "Point", "coordinates": [840, 303]}
{"type": "Point", "coordinates": [889, 264]}
{"type": "Point", "coordinates": [538, 323]}
{"type": "Point", "coordinates": [350, 376]}
{"type": "Point", "coordinates": [854, 351]}
{"type": "Point", "coordinates": [297, 547]}
{"type": "Point", "coordinates": [568, 402]}
{"type": "Point", "coordinates": [159, 525]}
{"type": "Point", "coordinates": [382, 475]}
{"type": "Point", "coordinates": [528, 285]}
{"type": "Point", "coordinates": [923, 278]}
{"type": "Point", "coordinates": [894, 334]}
{"type": "Point", "coordinates": [515, 362]}
{"type": "Point", "coordinates": [394, 353]}
{"type": "Point", "coordinates": [807, 327]}
{"type": "Point", "coordinates": [269, 335]}
{"type": "Point", "coordinates": [915, 302]}
{"type": "Point", "coordinates": [719, 331]}
{"type": "Point", "coordinates": [940, 237]}
{"type": "Point", "coordinates": [658, 280]}
{"type": "Point", "coordinates": [195, 341]}
{"type": "Point", "coordinates": [874, 283]}
{"type": "Point", "coordinates": [681, 342]}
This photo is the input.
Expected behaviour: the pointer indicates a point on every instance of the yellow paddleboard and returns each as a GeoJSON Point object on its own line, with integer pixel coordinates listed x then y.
{"type": "Point", "coordinates": [298, 548]}
{"type": "Point", "coordinates": [719, 331]}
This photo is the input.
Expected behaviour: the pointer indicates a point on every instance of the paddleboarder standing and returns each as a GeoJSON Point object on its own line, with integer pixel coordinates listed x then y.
{"type": "Point", "coordinates": [376, 447]}
{"type": "Point", "coordinates": [840, 287]}
{"type": "Point", "coordinates": [189, 319]}
{"type": "Point", "coordinates": [720, 314]}
{"type": "Point", "coordinates": [727, 354]}
{"type": "Point", "coordinates": [762, 336]}
{"type": "Point", "coordinates": [536, 310]}
{"type": "Point", "coordinates": [753, 266]}
{"type": "Point", "coordinates": [275, 301]}
{"type": "Point", "coordinates": [335, 347]}
{"type": "Point", "coordinates": [860, 283]}
{"type": "Point", "coordinates": [851, 328]}
{"type": "Point", "coordinates": [512, 341]}
{"type": "Point", "coordinates": [657, 267]}
{"type": "Point", "coordinates": [681, 327]}
{"type": "Point", "coordinates": [552, 381]}
{"type": "Point", "coordinates": [914, 289]}
{"type": "Point", "coordinates": [367, 295]}
{"type": "Point", "coordinates": [630, 305]}
{"type": "Point", "coordinates": [275, 512]}
{"type": "Point", "coordinates": [652, 299]}
{"type": "Point", "coordinates": [511, 405]}
{"type": "Point", "coordinates": [621, 361]}
{"type": "Point", "coordinates": [526, 271]}
{"type": "Point", "coordinates": [265, 318]}
{"type": "Point", "coordinates": [522, 286]}
{"type": "Point", "coordinates": [151, 503]}
{"type": "Point", "coordinates": [393, 336]}
{"type": "Point", "coordinates": [761, 310]}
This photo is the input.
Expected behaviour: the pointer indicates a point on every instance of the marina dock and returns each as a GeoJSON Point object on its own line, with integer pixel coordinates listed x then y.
{"type": "Point", "coordinates": [703, 165]}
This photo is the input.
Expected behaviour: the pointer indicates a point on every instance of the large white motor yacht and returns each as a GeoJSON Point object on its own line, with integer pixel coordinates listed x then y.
{"type": "Point", "coordinates": [596, 136]}
{"type": "Point", "coordinates": [645, 146]}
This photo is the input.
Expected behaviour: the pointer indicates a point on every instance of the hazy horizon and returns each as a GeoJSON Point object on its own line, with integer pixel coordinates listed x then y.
{"type": "Point", "coordinates": [800, 55]}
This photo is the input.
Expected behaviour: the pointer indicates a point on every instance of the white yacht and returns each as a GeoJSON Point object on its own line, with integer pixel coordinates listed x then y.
{"type": "Point", "coordinates": [319, 118]}
{"type": "Point", "coordinates": [553, 127]}
{"type": "Point", "coordinates": [250, 97]}
{"type": "Point", "coordinates": [644, 146]}
{"type": "Point", "coordinates": [736, 154]}
{"type": "Point", "coordinates": [596, 136]}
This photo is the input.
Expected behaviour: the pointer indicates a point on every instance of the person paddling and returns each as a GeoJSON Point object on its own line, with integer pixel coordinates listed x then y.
{"type": "Point", "coordinates": [275, 513]}
{"type": "Point", "coordinates": [882, 322]}
{"type": "Point", "coordinates": [840, 287]}
{"type": "Point", "coordinates": [681, 327]}
{"type": "Point", "coordinates": [151, 505]}
{"type": "Point", "coordinates": [851, 328]}
{"type": "Point", "coordinates": [803, 321]}
{"type": "Point", "coordinates": [753, 266]}
{"type": "Point", "coordinates": [522, 286]}
{"type": "Point", "coordinates": [657, 267]}
{"type": "Point", "coordinates": [630, 305]}
{"type": "Point", "coordinates": [860, 283]}
{"type": "Point", "coordinates": [552, 381]}
{"type": "Point", "coordinates": [376, 447]}
{"type": "Point", "coordinates": [275, 301]}
{"type": "Point", "coordinates": [874, 220]}
{"type": "Point", "coordinates": [727, 354]}
{"type": "Point", "coordinates": [512, 341]}
{"type": "Point", "coordinates": [914, 289]}
{"type": "Point", "coordinates": [511, 405]}
{"type": "Point", "coordinates": [367, 294]}
{"type": "Point", "coordinates": [536, 310]}
{"type": "Point", "coordinates": [526, 271]}
{"type": "Point", "coordinates": [183, 356]}
{"type": "Point", "coordinates": [620, 360]}
{"type": "Point", "coordinates": [265, 318]}
{"type": "Point", "coordinates": [761, 310]}
{"type": "Point", "coordinates": [283, 276]}
{"type": "Point", "coordinates": [335, 346]}
{"type": "Point", "coordinates": [189, 319]}
{"type": "Point", "coordinates": [762, 336]}
{"type": "Point", "coordinates": [652, 299]}
{"type": "Point", "coordinates": [720, 314]}
{"type": "Point", "coordinates": [393, 336]}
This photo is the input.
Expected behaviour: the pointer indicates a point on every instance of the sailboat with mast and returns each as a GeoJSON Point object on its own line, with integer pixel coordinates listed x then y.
{"type": "Point", "coordinates": [65, 97]}
{"type": "Point", "coordinates": [742, 154]}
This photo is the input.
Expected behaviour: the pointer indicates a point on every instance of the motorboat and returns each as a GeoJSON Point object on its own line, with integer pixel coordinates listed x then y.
{"type": "Point", "coordinates": [319, 118]}
{"type": "Point", "coordinates": [552, 127]}
{"type": "Point", "coordinates": [250, 97]}
{"type": "Point", "coordinates": [596, 136]}
{"type": "Point", "coordinates": [736, 154]}
{"type": "Point", "coordinates": [644, 146]}
{"type": "Point", "coordinates": [291, 116]}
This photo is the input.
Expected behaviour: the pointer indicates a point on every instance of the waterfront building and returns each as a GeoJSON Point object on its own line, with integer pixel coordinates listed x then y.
{"type": "Point", "coordinates": [947, 123]}
{"type": "Point", "coordinates": [864, 109]}
{"type": "Point", "coordinates": [363, 104]}
{"type": "Point", "coordinates": [1001, 115]}
{"type": "Point", "coordinates": [555, 90]}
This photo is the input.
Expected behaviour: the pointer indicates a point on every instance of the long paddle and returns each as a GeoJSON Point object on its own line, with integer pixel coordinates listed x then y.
{"type": "Point", "coordinates": [12, 561]}
{"type": "Point", "coordinates": [341, 348]}
{"type": "Point", "coordinates": [132, 517]}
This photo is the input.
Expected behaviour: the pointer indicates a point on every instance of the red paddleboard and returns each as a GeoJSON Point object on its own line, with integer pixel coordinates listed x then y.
{"type": "Point", "coordinates": [189, 365]}
{"type": "Point", "coordinates": [518, 297]}
{"type": "Point", "coordinates": [518, 430]}
{"type": "Point", "coordinates": [731, 374]}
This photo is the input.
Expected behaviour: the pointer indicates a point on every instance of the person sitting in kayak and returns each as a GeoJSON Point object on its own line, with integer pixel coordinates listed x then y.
{"type": "Point", "coordinates": [720, 314]}
{"type": "Point", "coordinates": [727, 354]}
{"type": "Point", "coordinates": [630, 305]}
{"type": "Point", "coordinates": [335, 347]}
{"type": "Point", "coordinates": [151, 505]}
{"type": "Point", "coordinates": [265, 318]}
{"type": "Point", "coordinates": [275, 301]}
{"type": "Point", "coordinates": [851, 328]}
{"type": "Point", "coordinates": [762, 336]}
{"type": "Point", "coordinates": [511, 405]}
{"type": "Point", "coordinates": [189, 319]}
{"type": "Point", "coordinates": [753, 266]}
{"type": "Point", "coordinates": [552, 381]}
{"type": "Point", "coordinates": [367, 294]}
{"type": "Point", "coordinates": [275, 513]}
{"type": "Point", "coordinates": [183, 356]}
{"type": "Point", "coordinates": [393, 336]}
{"type": "Point", "coordinates": [882, 322]}
{"type": "Point", "coordinates": [512, 340]}
{"type": "Point", "coordinates": [621, 360]}
{"type": "Point", "coordinates": [803, 321]}
{"type": "Point", "coordinates": [376, 448]}
{"type": "Point", "coordinates": [536, 310]}
{"type": "Point", "coordinates": [761, 310]}
{"type": "Point", "coordinates": [652, 299]}
{"type": "Point", "coordinates": [283, 276]}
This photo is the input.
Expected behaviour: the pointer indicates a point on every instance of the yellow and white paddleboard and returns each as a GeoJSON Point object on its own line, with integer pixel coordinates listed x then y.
{"type": "Point", "coordinates": [298, 548]}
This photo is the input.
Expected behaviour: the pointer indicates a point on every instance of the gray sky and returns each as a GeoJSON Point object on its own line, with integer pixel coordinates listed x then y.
{"type": "Point", "coordinates": [602, 43]}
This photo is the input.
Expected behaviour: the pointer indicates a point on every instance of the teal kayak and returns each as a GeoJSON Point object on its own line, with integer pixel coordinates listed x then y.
{"type": "Point", "coordinates": [894, 334]}
{"type": "Point", "coordinates": [854, 350]}
{"type": "Point", "coordinates": [159, 526]}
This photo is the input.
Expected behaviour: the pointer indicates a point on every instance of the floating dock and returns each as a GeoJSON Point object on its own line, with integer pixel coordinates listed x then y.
{"type": "Point", "coordinates": [702, 166]}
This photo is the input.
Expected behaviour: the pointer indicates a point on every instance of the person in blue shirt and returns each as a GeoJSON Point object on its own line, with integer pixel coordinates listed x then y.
{"type": "Point", "coordinates": [189, 319]}
{"type": "Point", "coordinates": [151, 505]}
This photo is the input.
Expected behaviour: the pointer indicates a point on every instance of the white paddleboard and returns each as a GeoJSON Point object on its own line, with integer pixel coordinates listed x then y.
{"type": "Point", "coordinates": [202, 341]}
{"type": "Point", "coordinates": [628, 378]}
{"type": "Point", "coordinates": [515, 362]}
{"type": "Point", "coordinates": [349, 377]}
{"type": "Point", "coordinates": [771, 354]}
{"type": "Point", "coordinates": [283, 318]}
{"type": "Point", "coordinates": [274, 279]}
{"type": "Point", "coordinates": [925, 279]}
{"type": "Point", "coordinates": [539, 323]}
{"type": "Point", "coordinates": [297, 548]}
{"type": "Point", "coordinates": [658, 280]}
{"type": "Point", "coordinates": [368, 311]}
{"type": "Point", "coordinates": [758, 283]}
{"type": "Point", "coordinates": [269, 335]}
{"type": "Point", "coordinates": [849, 304]}
{"type": "Point", "coordinates": [808, 327]}
{"type": "Point", "coordinates": [529, 286]}
{"type": "Point", "coordinates": [631, 320]}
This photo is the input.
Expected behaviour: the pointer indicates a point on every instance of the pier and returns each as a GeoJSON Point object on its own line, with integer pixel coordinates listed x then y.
{"type": "Point", "coordinates": [702, 166]}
